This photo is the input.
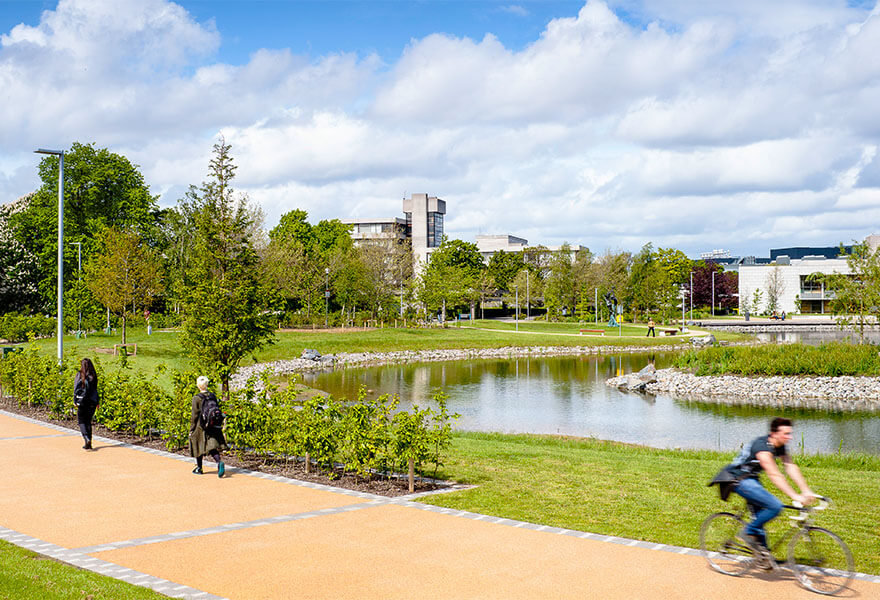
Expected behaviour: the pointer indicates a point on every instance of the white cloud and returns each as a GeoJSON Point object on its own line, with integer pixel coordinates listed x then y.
{"type": "Point", "coordinates": [743, 125]}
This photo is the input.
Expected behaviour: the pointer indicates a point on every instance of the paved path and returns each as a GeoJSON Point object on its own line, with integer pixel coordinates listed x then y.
{"type": "Point", "coordinates": [142, 516]}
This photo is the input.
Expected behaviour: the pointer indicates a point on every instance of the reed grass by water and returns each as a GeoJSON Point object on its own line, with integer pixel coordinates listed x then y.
{"type": "Point", "coordinates": [832, 359]}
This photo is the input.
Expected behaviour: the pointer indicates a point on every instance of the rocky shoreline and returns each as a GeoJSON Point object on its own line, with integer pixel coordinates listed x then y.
{"type": "Point", "coordinates": [374, 359]}
{"type": "Point", "coordinates": [820, 393]}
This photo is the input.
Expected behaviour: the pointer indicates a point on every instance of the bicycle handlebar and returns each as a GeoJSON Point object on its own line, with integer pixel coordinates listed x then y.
{"type": "Point", "coordinates": [824, 502]}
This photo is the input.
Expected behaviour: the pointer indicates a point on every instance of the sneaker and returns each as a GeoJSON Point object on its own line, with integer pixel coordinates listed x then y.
{"type": "Point", "coordinates": [221, 468]}
{"type": "Point", "coordinates": [197, 471]}
{"type": "Point", "coordinates": [754, 542]}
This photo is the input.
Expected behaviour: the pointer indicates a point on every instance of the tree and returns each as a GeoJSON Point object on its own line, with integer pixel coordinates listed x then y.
{"type": "Point", "coordinates": [101, 189]}
{"type": "Point", "coordinates": [452, 276]}
{"type": "Point", "coordinates": [503, 267]}
{"type": "Point", "coordinates": [19, 275]}
{"type": "Point", "coordinates": [856, 301]}
{"type": "Point", "coordinates": [126, 274]}
{"type": "Point", "coordinates": [226, 306]}
{"type": "Point", "coordinates": [775, 288]}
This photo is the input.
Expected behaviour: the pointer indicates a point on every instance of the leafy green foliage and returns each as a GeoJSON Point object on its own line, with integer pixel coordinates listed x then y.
{"type": "Point", "coordinates": [101, 189]}
{"type": "Point", "coordinates": [16, 327]}
{"type": "Point", "coordinates": [125, 275]}
{"type": "Point", "coordinates": [226, 303]}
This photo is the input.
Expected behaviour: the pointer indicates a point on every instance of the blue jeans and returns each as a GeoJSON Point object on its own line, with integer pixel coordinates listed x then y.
{"type": "Point", "coordinates": [767, 505]}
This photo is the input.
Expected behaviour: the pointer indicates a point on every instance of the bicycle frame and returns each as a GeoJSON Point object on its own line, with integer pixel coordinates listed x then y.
{"type": "Point", "coordinates": [798, 522]}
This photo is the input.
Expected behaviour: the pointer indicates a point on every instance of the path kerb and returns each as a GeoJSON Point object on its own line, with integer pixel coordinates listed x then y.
{"type": "Point", "coordinates": [140, 515]}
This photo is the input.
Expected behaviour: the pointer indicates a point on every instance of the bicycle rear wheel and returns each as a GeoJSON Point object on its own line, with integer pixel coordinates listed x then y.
{"type": "Point", "coordinates": [725, 552]}
{"type": "Point", "coordinates": [820, 560]}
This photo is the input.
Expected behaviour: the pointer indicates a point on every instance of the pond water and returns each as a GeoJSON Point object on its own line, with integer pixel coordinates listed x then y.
{"type": "Point", "coordinates": [568, 395]}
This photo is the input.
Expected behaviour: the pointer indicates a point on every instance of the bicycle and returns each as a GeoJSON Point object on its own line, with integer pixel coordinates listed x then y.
{"type": "Point", "coordinates": [819, 559]}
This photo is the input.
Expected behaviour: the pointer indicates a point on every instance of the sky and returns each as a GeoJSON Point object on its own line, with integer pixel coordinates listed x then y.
{"type": "Point", "coordinates": [697, 124]}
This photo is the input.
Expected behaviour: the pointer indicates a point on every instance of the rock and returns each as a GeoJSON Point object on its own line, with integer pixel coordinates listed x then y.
{"type": "Point", "coordinates": [634, 383]}
{"type": "Point", "coordinates": [706, 340]}
{"type": "Point", "coordinates": [310, 354]}
{"type": "Point", "coordinates": [648, 373]}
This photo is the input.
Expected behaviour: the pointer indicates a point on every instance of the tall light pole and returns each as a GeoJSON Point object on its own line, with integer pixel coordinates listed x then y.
{"type": "Point", "coordinates": [516, 311]}
{"type": "Point", "coordinates": [60, 155]}
{"type": "Point", "coordinates": [713, 293]}
{"type": "Point", "coordinates": [79, 277]}
{"type": "Point", "coordinates": [528, 296]}
{"type": "Point", "coordinates": [326, 294]}
{"type": "Point", "coordinates": [692, 295]}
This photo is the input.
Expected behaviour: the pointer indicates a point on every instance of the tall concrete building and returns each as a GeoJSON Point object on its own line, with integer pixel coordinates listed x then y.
{"type": "Point", "coordinates": [424, 224]}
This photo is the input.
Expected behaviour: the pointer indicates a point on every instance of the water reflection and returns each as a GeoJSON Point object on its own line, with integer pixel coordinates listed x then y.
{"type": "Point", "coordinates": [814, 338]}
{"type": "Point", "coordinates": [568, 395]}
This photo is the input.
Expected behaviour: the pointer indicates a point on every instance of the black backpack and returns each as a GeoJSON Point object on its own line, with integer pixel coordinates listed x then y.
{"type": "Point", "coordinates": [211, 416]}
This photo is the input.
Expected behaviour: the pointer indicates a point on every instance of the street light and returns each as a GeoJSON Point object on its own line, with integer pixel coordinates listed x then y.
{"type": "Point", "coordinates": [692, 295]}
{"type": "Point", "coordinates": [79, 277]}
{"type": "Point", "coordinates": [713, 293]}
{"type": "Point", "coordinates": [326, 294]}
{"type": "Point", "coordinates": [60, 155]}
{"type": "Point", "coordinates": [516, 311]}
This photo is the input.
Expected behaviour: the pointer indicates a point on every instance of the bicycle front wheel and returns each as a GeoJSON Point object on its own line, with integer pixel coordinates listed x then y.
{"type": "Point", "coordinates": [820, 560]}
{"type": "Point", "coordinates": [725, 552]}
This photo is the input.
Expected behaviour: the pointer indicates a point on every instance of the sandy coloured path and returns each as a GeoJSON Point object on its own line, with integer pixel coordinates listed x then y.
{"type": "Point", "coordinates": [142, 516]}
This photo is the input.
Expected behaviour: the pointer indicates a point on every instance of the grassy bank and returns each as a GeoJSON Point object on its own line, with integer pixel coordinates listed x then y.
{"type": "Point", "coordinates": [830, 360]}
{"type": "Point", "coordinates": [641, 493]}
{"type": "Point", "coordinates": [25, 574]}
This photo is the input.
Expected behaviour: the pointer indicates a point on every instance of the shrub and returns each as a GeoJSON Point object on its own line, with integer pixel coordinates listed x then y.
{"type": "Point", "coordinates": [15, 327]}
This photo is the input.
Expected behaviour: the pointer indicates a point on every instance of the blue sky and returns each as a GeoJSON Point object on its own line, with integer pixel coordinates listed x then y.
{"type": "Point", "coordinates": [695, 125]}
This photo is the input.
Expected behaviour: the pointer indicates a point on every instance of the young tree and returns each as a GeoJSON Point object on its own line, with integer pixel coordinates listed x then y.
{"type": "Point", "coordinates": [452, 276]}
{"type": "Point", "coordinates": [225, 311]}
{"type": "Point", "coordinates": [775, 288]}
{"type": "Point", "coordinates": [125, 276]}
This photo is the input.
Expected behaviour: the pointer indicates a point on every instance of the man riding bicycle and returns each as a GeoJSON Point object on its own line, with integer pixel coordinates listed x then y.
{"type": "Point", "coordinates": [759, 456]}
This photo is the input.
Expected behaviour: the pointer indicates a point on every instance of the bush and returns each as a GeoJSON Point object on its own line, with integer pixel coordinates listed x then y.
{"type": "Point", "coordinates": [15, 327]}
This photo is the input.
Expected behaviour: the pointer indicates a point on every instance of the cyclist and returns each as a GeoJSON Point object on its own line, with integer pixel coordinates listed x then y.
{"type": "Point", "coordinates": [759, 456]}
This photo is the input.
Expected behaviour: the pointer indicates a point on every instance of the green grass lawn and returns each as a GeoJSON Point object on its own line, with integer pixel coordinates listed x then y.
{"type": "Point", "coordinates": [641, 493]}
{"type": "Point", "coordinates": [25, 574]}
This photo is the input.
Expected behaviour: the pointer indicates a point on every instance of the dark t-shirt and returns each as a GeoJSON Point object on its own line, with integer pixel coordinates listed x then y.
{"type": "Point", "coordinates": [747, 464]}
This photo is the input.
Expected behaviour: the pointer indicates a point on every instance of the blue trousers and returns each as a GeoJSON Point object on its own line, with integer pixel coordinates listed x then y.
{"type": "Point", "coordinates": [765, 505]}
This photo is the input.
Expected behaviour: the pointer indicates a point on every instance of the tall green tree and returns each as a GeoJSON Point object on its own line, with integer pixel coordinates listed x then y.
{"type": "Point", "coordinates": [226, 306]}
{"type": "Point", "coordinates": [125, 275]}
{"type": "Point", "coordinates": [503, 268]}
{"type": "Point", "coordinates": [452, 276]}
{"type": "Point", "coordinates": [101, 189]}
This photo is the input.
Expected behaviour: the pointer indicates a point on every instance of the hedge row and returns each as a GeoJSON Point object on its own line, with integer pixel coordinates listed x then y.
{"type": "Point", "coordinates": [363, 436]}
{"type": "Point", "coordinates": [16, 328]}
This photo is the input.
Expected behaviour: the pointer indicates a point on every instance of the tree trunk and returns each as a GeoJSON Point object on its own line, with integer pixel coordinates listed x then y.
{"type": "Point", "coordinates": [412, 475]}
{"type": "Point", "coordinates": [308, 463]}
{"type": "Point", "coordinates": [123, 328]}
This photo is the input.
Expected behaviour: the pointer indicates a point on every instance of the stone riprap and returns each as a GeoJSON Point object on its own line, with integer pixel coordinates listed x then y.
{"type": "Point", "coordinates": [823, 393]}
{"type": "Point", "coordinates": [372, 359]}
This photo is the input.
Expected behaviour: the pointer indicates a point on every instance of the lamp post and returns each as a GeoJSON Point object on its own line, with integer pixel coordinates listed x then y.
{"type": "Point", "coordinates": [326, 294]}
{"type": "Point", "coordinates": [528, 297]}
{"type": "Point", "coordinates": [713, 293]}
{"type": "Point", "coordinates": [79, 277]}
{"type": "Point", "coordinates": [516, 310]}
{"type": "Point", "coordinates": [60, 155]}
{"type": "Point", "coordinates": [692, 295]}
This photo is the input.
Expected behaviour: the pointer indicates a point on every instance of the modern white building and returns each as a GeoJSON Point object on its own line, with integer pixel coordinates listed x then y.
{"type": "Point", "coordinates": [791, 278]}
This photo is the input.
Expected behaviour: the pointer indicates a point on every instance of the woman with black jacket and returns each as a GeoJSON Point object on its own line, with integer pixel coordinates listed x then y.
{"type": "Point", "coordinates": [85, 397]}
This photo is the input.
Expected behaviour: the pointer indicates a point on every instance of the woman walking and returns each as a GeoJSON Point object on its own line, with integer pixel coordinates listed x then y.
{"type": "Point", "coordinates": [85, 397]}
{"type": "Point", "coordinates": [203, 438]}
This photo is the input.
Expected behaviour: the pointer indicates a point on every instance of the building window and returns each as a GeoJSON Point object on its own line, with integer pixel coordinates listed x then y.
{"type": "Point", "coordinates": [435, 229]}
{"type": "Point", "coordinates": [408, 225]}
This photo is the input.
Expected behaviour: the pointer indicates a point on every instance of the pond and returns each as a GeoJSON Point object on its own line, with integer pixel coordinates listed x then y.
{"type": "Point", "coordinates": [568, 396]}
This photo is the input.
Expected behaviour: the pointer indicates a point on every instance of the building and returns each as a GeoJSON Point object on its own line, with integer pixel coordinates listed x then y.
{"type": "Point", "coordinates": [791, 278]}
{"type": "Point", "coordinates": [488, 245]}
{"type": "Point", "coordinates": [422, 225]}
